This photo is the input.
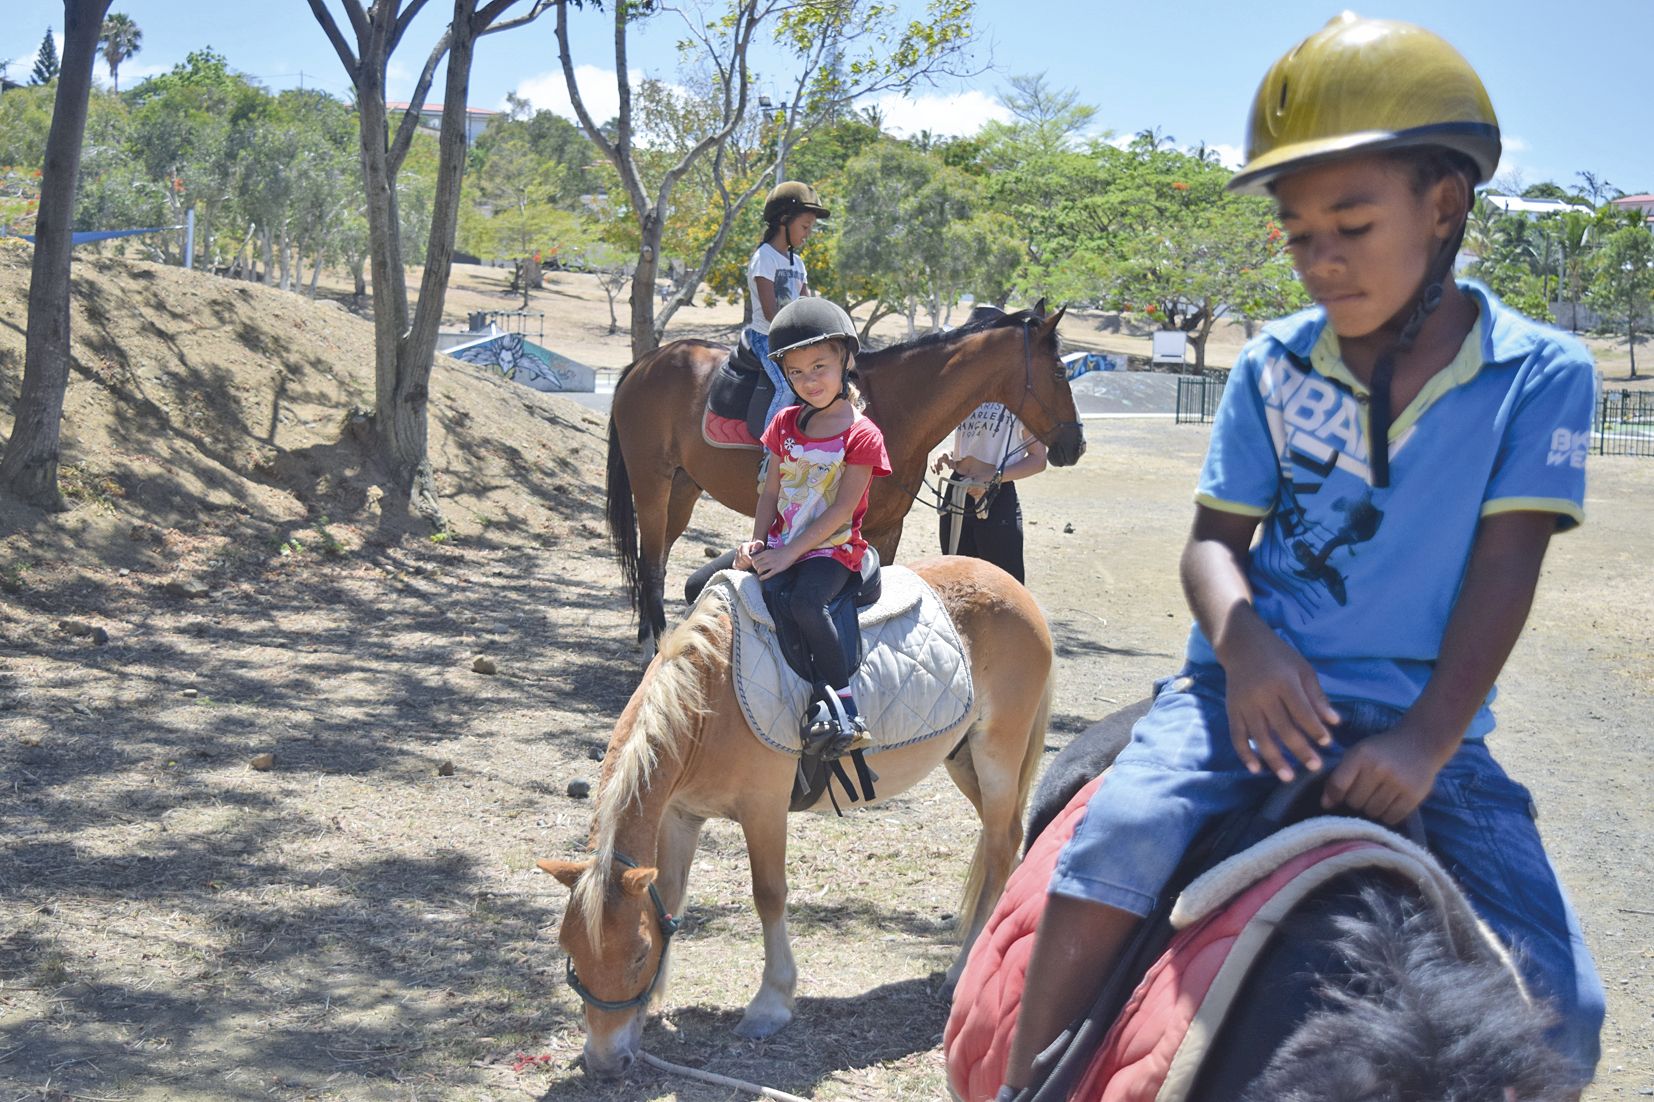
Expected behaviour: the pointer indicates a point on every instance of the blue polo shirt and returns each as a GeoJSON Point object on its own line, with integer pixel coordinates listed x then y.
{"type": "Point", "coordinates": [1361, 580]}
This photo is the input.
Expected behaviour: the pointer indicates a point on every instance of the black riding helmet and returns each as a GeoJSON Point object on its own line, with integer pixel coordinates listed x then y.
{"type": "Point", "coordinates": [806, 321]}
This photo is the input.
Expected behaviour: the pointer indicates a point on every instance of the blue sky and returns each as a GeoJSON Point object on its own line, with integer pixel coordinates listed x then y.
{"type": "Point", "coordinates": [1569, 83]}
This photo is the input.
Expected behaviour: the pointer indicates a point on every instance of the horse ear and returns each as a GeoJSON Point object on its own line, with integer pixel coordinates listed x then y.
{"type": "Point", "coordinates": [566, 872]}
{"type": "Point", "coordinates": [1050, 323]}
{"type": "Point", "coordinates": [637, 881]}
{"type": "Point", "coordinates": [1038, 308]}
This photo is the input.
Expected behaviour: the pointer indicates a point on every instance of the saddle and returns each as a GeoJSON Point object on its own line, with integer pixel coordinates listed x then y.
{"type": "Point", "coordinates": [909, 669]}
{"type": "Point", "coordinates": [1150, 1032]}
{"type": "Point", "coordinates": [738, 400]}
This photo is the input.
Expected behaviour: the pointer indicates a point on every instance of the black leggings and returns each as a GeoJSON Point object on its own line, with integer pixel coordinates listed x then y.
{"type": "Point", "coordinates": [815, 583]}
{"type": "Point", "coordinates": [998, 539]}
{"type": "Point", "coordinates": [819, 580]}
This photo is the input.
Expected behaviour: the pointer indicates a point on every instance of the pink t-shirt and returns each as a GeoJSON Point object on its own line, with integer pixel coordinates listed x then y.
{"type": "Point", "coordinates": [812, 469]}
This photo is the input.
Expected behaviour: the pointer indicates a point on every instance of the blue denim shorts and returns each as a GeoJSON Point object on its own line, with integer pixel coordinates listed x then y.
{"type": "Point", "coordinates": [760, 343]}
{"type": "Point", "coordinates": [1180, 771]}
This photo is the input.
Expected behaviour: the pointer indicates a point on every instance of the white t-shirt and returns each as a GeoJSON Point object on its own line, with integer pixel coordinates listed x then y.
{"type": "Point", "coordinates": [787, 275]}
{"type": "Point", "coordinates": [991, 433]}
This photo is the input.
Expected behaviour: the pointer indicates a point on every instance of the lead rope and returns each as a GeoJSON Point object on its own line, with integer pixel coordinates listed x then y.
{"type": "Point", "coordinates": [720, 1080]}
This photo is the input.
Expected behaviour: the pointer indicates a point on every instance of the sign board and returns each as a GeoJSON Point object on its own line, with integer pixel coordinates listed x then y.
{"type": "Point", "coordinates": [1170, 346]}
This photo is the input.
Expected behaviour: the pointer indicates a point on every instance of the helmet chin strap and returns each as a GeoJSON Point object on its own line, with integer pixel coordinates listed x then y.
{"type": "Point", "coordinates": [1380, 415]}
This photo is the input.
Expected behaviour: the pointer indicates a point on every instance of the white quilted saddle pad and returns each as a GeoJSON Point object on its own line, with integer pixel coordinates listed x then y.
{"type": "Point", "coordinates": [914, 684]}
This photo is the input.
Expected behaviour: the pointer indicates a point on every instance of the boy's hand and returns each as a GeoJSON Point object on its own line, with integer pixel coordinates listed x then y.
{"type": "Point", "coordinates": [1275, 705]}
{"type": "Point", "coordinates": [1385, 776]}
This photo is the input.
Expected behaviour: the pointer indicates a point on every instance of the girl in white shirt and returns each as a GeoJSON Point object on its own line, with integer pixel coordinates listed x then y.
{"type": "Point", "coordinates": [776, 274]}
{"type": "Point", "coordinates": [991, 448]}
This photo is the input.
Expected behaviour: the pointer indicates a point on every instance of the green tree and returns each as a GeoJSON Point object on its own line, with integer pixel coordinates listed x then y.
{"type": "Point", "coordinates": [1189, 252]}
{"type": "Point", "coordinates": [836, 53]}
{"type": "Point", "coordinates": [1623, 287]}
{"type": "Point", "coordinates": [28, 468]}
{"type": "Point", "coordinates": [121, 39]}
{"type": "Point", "coordinates": [45, 61]}
{"type": "Point", "coordinates": [1044, 121]}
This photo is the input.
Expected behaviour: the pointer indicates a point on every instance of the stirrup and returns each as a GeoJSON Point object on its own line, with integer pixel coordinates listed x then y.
{"type": "Point", "coordinates": [851, 733]}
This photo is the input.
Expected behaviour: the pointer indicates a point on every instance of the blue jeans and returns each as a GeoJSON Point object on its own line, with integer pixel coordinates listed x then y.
{"type": "Point", "coordinates": [1180, 771]}
{"type": "Point", "coordinates": [760, 343]}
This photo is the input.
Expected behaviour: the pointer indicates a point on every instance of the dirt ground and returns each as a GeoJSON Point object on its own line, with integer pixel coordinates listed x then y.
{"type": "Point", "coordinates": [358, 916]}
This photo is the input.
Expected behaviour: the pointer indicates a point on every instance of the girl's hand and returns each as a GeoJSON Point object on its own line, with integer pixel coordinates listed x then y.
{"type": "Point", "coordinates": [1276, 706]}
{"type": "Point", "coordinates": [744, 553]}
{"type": "Point", "coordinates": [774, 560]}
{"type": "Point", "coordinates": [1386, 776]}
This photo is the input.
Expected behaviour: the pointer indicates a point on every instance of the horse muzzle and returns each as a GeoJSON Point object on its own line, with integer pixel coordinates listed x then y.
{"type": "Point", "coordinates": [612, 1056]}
{"type": "Point", "coordinates": [1067, 445]}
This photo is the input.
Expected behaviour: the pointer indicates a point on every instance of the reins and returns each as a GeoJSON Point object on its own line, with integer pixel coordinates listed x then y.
{"type": "Point", "coordinates": [668, 927]}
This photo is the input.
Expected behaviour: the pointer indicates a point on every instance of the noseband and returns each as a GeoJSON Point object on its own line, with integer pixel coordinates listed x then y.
{"type": "Point", "coordinates": [668, 927]}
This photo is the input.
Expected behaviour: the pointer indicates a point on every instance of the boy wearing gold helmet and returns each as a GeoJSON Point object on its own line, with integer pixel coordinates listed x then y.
{"type": "Point", "coordinates": [1407, 446]}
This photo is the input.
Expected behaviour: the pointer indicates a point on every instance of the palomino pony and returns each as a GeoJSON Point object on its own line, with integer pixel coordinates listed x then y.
{"type": "Point", "coordinates": [917, 393]}
{"type": "Point", "coordinates": [682, 753]}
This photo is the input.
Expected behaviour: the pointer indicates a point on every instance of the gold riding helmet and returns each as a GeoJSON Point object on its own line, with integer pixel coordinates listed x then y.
{"type": "Point", "coordinates": [1361, 86]}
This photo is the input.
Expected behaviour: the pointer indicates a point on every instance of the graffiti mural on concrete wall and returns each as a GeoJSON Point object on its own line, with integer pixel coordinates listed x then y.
{"type": "Point", "coordinates": [526, 363]}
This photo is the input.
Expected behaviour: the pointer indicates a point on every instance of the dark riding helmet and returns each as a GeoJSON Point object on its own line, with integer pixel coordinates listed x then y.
{"type": "Point", "coordinates": [809, 321]}
{"type": "Point", "coordinates": [790, 198]}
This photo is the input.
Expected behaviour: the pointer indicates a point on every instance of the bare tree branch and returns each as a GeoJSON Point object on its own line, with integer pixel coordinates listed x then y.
{"type": "Point", "coordinates": [401, 26]}
{"type": "Point", "coordinates": [416, 103]}
{"type": "Point", "coordinates": [340, 46]}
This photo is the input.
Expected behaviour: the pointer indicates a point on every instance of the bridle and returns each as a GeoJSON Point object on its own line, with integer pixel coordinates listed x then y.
{"type": "Point", "coordinates": [1058, 372]}
{"type": "Point", "coordinates": [668, 927]}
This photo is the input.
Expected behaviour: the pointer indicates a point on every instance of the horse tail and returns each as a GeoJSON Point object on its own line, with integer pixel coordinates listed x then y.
{"type": "Point", "coordinates": [977, 874]}
{"type": "Point", "coordinates": [622, 515]}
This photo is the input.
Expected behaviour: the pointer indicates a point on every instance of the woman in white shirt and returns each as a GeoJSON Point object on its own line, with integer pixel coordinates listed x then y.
{"type": "Point", "coordinates": [776, 275]}
{"type": "Point", "coordinates": [991, 449]}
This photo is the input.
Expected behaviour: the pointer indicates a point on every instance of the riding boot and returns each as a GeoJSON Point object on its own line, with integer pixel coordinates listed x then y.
{"type": "Point", "coordinates": [852, 734]}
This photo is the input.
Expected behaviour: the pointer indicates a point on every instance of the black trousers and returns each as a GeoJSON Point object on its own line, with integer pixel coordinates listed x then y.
{"type": "Point", "coordinates": [998, 539]}
{"type": "Point", "coordinates": [815, 582]}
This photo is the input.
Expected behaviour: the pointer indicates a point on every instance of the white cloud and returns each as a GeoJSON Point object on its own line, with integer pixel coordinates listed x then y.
{"type": "Point", "coordinates": [1513, 144]}
{"type": "Point", "coordinates": [549, 92]}
{"type": "Point", "coordinates": [954, 115]}
{"type": "Point", "coordinates": [1232, 156]}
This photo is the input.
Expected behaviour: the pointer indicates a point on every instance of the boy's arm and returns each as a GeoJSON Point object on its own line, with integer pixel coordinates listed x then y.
{"type": "Point", "coordinates": [1387, 776]}
{"type": "Point", "coordinates": [1274, 699]}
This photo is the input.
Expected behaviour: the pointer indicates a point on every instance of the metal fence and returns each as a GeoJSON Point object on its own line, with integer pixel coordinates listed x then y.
{"type": "Point", "coordinates": [1197, 397]}
{"type": "Point", "coordinates": [1625, 424]}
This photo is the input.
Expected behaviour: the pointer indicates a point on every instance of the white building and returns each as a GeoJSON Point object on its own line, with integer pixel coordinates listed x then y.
{"type": "Point", "coordinates": [1533, 208]}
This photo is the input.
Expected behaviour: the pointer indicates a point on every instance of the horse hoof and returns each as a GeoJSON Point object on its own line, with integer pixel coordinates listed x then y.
{"type": "Point", "coordinates": [756, 1027]}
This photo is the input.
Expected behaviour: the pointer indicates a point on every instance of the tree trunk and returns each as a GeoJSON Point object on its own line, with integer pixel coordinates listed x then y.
{"type": "Point", "coordinates": [285, 252]}
{"type": "Point", "coordinates": [267, 240]}
{"type": "Point", "coordinates": [29, 467]}
{"type": "Point", "coordinates": [1631, 338]}
{"type": "Point", "coordinates": [645, 337]}
{"type": "Point", "coordinates": [316, 272]}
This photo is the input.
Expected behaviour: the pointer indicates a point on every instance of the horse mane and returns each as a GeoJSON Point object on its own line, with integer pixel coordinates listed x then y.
{"type": "Point", "coordinates": [673, 702]}
{"type": "Point", "coordinates": [983, 319]}
{"type": "Point", "coordinates": [1414, 1018]}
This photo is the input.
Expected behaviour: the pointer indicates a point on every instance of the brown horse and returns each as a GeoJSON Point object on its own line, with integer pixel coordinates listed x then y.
{"type": "Point", "coordinates": [917, 393]}
{"type": "Point", "coordinates": [682, 753]}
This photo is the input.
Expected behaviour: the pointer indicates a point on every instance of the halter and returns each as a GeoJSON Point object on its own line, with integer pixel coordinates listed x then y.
{"type": "Point", "coordinates": [668, 927]}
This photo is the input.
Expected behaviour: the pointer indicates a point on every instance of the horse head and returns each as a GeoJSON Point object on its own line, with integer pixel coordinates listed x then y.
{"type": "Point", "coordinates": [615, 933]}
{"type": "Point", "coordinates": [1043, 400]}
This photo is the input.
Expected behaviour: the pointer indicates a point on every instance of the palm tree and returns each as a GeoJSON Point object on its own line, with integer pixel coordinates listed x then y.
{"type": "Point", "coordinates": [121, 38]}
{"type": "Point", "coordinates": [1151, 138]}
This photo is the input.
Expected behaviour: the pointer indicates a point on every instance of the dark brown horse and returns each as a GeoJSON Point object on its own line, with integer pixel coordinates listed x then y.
{"type": "Point", "coordinates": [916, 392]}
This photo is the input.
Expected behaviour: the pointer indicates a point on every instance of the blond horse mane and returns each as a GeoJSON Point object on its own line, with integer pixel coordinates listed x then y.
{"type": "Point", "coordinates": [673, 702]}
